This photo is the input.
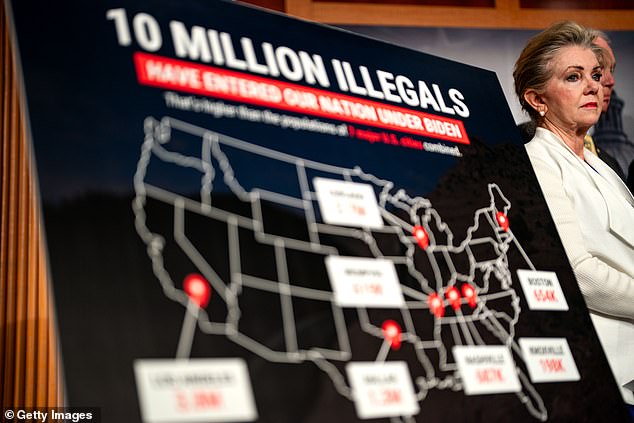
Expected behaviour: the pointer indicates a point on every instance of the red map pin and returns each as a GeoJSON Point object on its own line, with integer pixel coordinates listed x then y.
{"type": "Point", "coordinates": [503, 221]}
{"type": "Point", "coordinates": [198, 289]}
{"type": "Point", "coordinates": [436, 306]}
{"type": "Point", "coordinates": [421, 237]}
{"type": "Point", "coordinates": [392, 333]}
{"type": "Point", "coordinates": [470, 294]}
{"type": "Point", "coordinates": [453, 296]}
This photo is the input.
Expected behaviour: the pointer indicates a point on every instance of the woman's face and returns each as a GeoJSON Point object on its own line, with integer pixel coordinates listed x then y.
{"type": "Point", "coordinates": [608, 71]}
{"type": "Point", "coordinates": [573, 96]}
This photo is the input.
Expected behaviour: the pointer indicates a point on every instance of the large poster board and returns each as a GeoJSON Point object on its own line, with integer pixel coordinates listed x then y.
{"type": "Point", "coordinates": [254, 218]}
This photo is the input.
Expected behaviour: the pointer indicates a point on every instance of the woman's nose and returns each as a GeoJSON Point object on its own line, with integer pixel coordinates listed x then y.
{"type": "Point", "coordinates": [593, 85]}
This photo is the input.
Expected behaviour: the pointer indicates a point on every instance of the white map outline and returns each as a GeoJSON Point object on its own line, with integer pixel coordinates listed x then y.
{"type": "Point", "coordinates": [158, 133]}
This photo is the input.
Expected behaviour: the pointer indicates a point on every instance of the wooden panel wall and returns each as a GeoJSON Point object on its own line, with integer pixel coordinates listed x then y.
{"type": "Point", "coordinates": [505, 14]}
{"type": "Point", "coordinates": [29, 375]}
{"type": "Point", "coordinates": [29, 365]}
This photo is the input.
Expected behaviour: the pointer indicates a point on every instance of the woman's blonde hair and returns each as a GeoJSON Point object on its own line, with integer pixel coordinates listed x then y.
{"type": "Point", "coordinates": [533, 68]}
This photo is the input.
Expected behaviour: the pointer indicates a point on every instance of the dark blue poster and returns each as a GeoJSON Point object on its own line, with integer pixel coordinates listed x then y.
{"type": "Point", "coordinates": [255, 218]}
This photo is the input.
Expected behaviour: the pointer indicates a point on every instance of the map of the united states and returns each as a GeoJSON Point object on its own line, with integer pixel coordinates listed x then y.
{"type": "Point", "coordinates": [387, 258]}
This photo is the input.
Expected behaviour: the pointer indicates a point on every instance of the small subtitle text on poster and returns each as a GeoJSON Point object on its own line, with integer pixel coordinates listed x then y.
{"type": "Point", "coordinates": [220, 109]}
{"type": "Point", "coordinates": [391, 138]}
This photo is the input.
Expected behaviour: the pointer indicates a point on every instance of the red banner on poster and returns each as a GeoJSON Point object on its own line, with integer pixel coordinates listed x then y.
{"type": "Point", "coordinates": [167, 73]}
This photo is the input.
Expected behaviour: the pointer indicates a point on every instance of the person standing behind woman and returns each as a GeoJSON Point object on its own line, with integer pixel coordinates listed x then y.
{"type": "Point", "coordinates": [558, 81]}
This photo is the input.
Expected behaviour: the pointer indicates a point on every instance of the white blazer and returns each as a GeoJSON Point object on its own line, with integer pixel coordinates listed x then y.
{"type": "Point", "coordinates": [594, 214]}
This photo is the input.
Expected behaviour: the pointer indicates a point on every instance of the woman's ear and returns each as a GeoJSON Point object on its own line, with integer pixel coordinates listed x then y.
{"type": "Point", "coordinates": [536, 101]}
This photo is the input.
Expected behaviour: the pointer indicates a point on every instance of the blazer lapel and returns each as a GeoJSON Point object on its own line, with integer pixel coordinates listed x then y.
{"type": "Point", "coordinates": [618, 199]}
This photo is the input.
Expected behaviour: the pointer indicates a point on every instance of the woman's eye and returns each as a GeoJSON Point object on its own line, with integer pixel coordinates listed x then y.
{"type": "Point", "coordinates": [597, 76]}
{"type": "Point", "coordinates": [572, 78]}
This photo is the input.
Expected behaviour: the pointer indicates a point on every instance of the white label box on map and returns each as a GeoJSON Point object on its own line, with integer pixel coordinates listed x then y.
{"type": "Point", "coordinates": [382, 389]}
{"type": "Point", "coordinates": [486, 369]}
{"type": "Point", "coordinates": [365, 282]}
{"type": "Point", "coordinates": [549, 359]}
{"type": "Point", "coordinates": [195, 390]}
{"type": "Point", "coordinates": [542, 290]}
{"type": "Point", "coordinates": [347, 203]}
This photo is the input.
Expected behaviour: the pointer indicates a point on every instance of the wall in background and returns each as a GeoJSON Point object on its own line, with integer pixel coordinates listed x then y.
{"type": "Point", "coordinates": [501, 14]}
{"type": "Point", "coordinates": [29, 367]}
